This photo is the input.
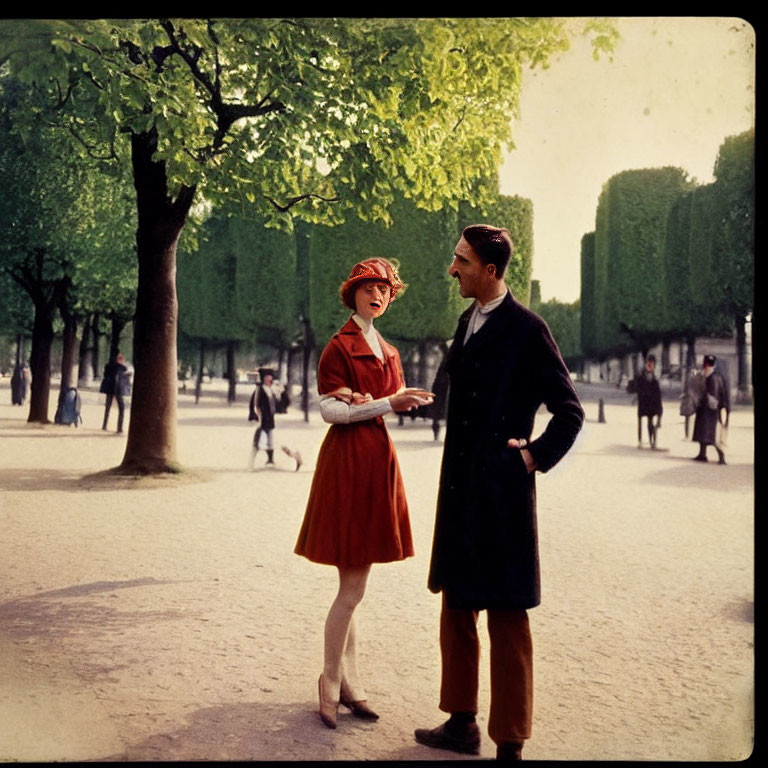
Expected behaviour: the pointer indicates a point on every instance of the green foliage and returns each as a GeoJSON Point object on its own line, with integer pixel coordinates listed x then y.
{"type": "Point", "coordinates": [420, 242]}
{"type": "Point", "coordinates": [516, 214]}
{"type": "Point", "coordinates": [535, 295]}
{"type": "Point", "coordinates": [44, 210]}
{"type": "Point", "coordinates": [630, 239]}
{"type": "Point", "coordinates": [564, 321]}
{"type": "Point", "coordinates": [291, 113]}
{"type": "Point", "coordinates": [238, 282]}
{"type": "Point", "coordinates": [588, 299]}
{"type": "Point", "coordinates": [735, 200]}
{"type": "Point", "coordinates": [15, 307]}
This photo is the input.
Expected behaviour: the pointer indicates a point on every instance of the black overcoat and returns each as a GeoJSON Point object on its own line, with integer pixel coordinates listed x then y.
{"type": "Point", "coordinates": [705, 425]}
{"type": "Point", "coordinates": [649, 402]}
{"type": "Point", "coordinates": [485, 547]}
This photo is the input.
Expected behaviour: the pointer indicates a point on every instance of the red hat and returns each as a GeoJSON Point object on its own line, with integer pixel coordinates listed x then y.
{"type": "Point", "coordinates": [378, 269]}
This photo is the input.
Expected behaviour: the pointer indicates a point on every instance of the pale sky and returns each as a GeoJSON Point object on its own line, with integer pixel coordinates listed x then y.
{"type": "Point", "coordinates": [676, 88]}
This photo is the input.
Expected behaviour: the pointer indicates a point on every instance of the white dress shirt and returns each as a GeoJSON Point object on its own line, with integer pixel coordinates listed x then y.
{"type": "Point", "coordinates": [480, 314]}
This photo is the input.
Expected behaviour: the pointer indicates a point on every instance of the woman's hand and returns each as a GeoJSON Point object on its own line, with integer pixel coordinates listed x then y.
{"type": "Point", "coordinates": [357, 398]}
{"type": "Point", "coordinates": [410, 398]}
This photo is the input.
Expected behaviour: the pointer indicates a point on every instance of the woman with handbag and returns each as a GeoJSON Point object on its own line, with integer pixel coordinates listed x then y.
{"type": "Point", "coordinates": [357, 513]}
{"type": "Point", "coordinates": [714, 400]}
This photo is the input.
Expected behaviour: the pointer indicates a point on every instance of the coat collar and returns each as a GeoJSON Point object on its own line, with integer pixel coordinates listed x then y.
{"type": "Point", "coordinates": [351, 337]}
{"type": "Point", "coordinates": [496, 323]}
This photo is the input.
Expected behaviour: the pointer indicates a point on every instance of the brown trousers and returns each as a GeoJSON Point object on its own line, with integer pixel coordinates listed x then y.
{"type": "Point", "coordinates": [511, 669]}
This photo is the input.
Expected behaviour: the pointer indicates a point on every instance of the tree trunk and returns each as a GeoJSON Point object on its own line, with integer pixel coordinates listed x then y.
{"type": "Point", "coordinates": [84, 367]}
{"type": "Point", "coordinates": [423, 364]}
{"type": "Point", "coordinates": [151, 444]}
{"type": "Point", "coordinates": [117, 326]}
{"type": "Point", "coordinates": [95, 361]}
{"type": "Point", "coordinates": [40, 364]}
{"type": "Point", "coordinates": [741, 360]}
{"type": "Point", "coordinates": [68, 348]}
{"type": "Point", "coordinates": [20, 349]}
{"type": "Point", "coordinates": [307, 344]}
{"type": "Point", "coordinates": [665, 354]}
{"type": "Point", "coordinates": [231, 372]}
{"type": "Point", "coordinates": [200, 366]}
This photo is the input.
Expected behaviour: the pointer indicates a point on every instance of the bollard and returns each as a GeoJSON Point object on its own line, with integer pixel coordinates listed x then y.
{"type": "Point", "coordinates": [601, 412]}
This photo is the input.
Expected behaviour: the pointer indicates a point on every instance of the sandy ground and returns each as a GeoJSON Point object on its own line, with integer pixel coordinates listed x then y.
{"type": "Point", "coordinates": [170, 619]}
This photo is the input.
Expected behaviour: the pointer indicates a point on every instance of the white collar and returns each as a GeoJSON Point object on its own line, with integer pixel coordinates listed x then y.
{"type": "Point", "coordinates": [491, 305]}
{"type": "Point", "coordinates": [366, 326]}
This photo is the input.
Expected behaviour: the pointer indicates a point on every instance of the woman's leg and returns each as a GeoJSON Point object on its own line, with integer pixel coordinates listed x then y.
{"type": "Point", "coordinates": [340, 635]}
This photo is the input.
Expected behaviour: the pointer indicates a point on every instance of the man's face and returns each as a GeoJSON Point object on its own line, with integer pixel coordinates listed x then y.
{"type": "Point", "coordinates": [650, 366]}
{"type": "Point", "coordinates": [472, 274]}
{"type": "Point", "coordinates": [268, 378]}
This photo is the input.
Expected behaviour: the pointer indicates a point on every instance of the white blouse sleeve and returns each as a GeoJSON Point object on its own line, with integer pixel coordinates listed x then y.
{"type": "Point", "coordinates": [336, 411]}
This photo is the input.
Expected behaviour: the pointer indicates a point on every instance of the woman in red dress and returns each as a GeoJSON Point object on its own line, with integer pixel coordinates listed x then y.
{"type": "Point", "coordinates": [357, 513]}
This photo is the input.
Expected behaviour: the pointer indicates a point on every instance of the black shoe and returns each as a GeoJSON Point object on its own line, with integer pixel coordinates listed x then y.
{"type": "Point", "coordinates": [509, 750]}
{"type": "Point", "coordinates": [700, 458]}
{"type": "Point", "coordinates": [466, 740]}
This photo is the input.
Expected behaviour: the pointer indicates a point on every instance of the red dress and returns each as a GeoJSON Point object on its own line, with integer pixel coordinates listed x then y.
{"type": "Point", "coordinates": [357, 512]}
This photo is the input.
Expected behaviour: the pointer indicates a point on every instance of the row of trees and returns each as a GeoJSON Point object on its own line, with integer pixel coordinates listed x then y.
{"type": "Point", "coordinates": [66, 247]}
{"type": "Point", "coordinates": [288, 119]}
{"type": "Point", "coordinates": [670, 259]}
{"type": "Point", "coordinates": [242, 283]}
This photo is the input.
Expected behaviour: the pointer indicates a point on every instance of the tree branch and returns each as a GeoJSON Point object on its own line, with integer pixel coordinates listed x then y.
{"type": "Point", "coordinates": [294, 200]}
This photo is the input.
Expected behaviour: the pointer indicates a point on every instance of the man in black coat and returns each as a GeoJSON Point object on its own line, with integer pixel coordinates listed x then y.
{"type": "Point", "coordinates": [713, 410]}
{"type": "Point", "coordinates": [649, 402]}
{"type": "Point", "coordinates": [264, 406]}
{"type": "Point", "coordinates": [113, 385]}
{"type": "Point", "coordinates": [503, 365]}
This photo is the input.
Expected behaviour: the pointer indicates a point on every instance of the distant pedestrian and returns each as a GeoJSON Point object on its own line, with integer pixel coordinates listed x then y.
{"type": "Point", "coordinates": [713, 411]}
{"type": "Point", "coordinates": [357, 512]}
{"type": "Point", "coordinates": [114, 384]}
{"type": "Point", "coordinates": [690, 398]}
{"type": "Point", "coordinates": [649, 405]}
{"type": "Point", "coordinates": [263, 407]}
{"type": "Point", "coordinates": [18, 385]}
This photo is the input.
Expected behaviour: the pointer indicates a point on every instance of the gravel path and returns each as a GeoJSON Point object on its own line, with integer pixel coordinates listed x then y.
{"type": "Point", "coordinates": [170, 620]}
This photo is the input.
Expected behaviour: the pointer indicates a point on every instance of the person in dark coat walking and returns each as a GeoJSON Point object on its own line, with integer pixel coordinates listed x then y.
{"type": "Point", "coordinates": [649, 404]}
{"type": "Point", "coordinates": [113, 385]}
{"type": "Point", "coordinates": [503, 365]}
{"type": "Point", "coordinates": [264, 406]}
{"type": "Point", "coordinates": [709, 412]}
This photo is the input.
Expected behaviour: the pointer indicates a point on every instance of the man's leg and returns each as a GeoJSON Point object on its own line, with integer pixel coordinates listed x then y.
{"type": "Point", "coordinates": [511, 713]}
{"type": "Point", "coordinates": [460, 659]}
{"type": "Point", "coordinates": [120, 411]}
{"type": "Point", "coordinates": [107, 406]}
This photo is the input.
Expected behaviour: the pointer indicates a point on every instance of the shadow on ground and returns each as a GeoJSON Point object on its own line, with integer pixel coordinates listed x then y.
{"type": "Point", "coordinates": [712, 476]}
{"type": "Point", "coordinates": [269, 732]}
{"type": "Point", "coordinates": [28, 479]}
{"type": "Point", "coordinates": [60, 612]}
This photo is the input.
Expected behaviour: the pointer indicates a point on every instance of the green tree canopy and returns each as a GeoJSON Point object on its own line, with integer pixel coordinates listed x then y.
{"type": "Point", "coordinates": [282, 114]}
{"type": "Point", "coordinates": [630, 238]}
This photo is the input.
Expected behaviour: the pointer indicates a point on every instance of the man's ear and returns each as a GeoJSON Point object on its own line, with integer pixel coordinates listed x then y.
{"type": "Point", "coordinates": [491, 269]}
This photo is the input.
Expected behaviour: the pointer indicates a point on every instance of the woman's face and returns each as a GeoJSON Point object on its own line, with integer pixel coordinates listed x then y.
{"type": "Point", "coordinates": [372, 298]}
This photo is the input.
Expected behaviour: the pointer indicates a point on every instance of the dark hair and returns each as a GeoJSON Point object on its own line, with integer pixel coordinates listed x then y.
{"type": "Point", "coordinates": [493, 245]}
{"type": "Point", "coordinates": [709, 359]}
{"type": "Point", "coordinates": [650, 359]}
